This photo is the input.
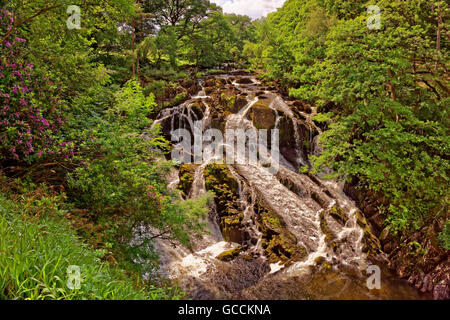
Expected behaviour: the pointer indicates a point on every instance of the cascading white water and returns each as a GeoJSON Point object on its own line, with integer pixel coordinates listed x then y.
{"type": "Point", "coordinates": [298, 207]}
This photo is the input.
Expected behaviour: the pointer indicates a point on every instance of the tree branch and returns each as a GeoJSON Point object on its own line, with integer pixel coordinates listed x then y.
{"type": "Point", "coordinates": [19, 23]}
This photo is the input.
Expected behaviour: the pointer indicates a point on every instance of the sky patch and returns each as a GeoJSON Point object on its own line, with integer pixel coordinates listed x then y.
{"type": "Point", "coordinates": [253, 8]}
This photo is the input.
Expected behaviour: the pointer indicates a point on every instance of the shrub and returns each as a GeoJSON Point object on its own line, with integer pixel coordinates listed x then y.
{"type": "Point", "coordinates": [29, 108]}
{"type": "Point", "coordinates": [124, 170]}
{"type": "Point", "coordinates": [36, 251]}
{"type": "Point", "coordinates": [444, 236]}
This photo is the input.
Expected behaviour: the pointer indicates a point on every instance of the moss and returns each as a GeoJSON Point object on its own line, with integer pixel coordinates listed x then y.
{"type": "Point", "coordinates": [230, 255]}
{"type": "Point", "coordinates": [186, 175]}
{"type": "Point", "coordinates": [329, 235]}
{"type": "Point", "coordinates": [248, 257]}
{"type": "Point", "coordinates": [326, 265]}
{"type": "Point", "coordinates": [262, 116]}
{"type": "Point", "coordinates": [320, 200]}
{"type": "Point", "coordinates": [279, 244]}
{"type": "Point", "coordinates": [273, 220]}
{"type": "Point", "coordinates": [319, 260]}
{"type": "Point", "coordinates": [261, 104]}
{"type": "Point", "coordinates": [219, 179]}
{"type": "Point", "coordinates": [228, 100]}
{"type": "Point", "coordinates": [372, 245]}
{"type": "Point", "coordinates": [338, 214]}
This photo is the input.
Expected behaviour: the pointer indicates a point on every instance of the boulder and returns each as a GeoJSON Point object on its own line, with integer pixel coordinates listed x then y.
{"type": "Point", "coordinates": [279, 244]}
{"type": "Point", "coordinates": [232, 254]}
{"type": "Point", "coordinates": [240, 103]}
{"type": "Point", "coordinates": [219, 179]}
{"type": "Point", "coordinates": [186, 175]}
{"type": "Point", "coordinates": [244, 81]}
{"type": "Point", "coordinates": [301, 106]}
{"type": "Point", "coordinates": [262, 116]}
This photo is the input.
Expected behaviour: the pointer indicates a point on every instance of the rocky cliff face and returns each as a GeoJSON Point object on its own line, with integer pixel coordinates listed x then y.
{"type": "Point", "coordinates": [416, 257]}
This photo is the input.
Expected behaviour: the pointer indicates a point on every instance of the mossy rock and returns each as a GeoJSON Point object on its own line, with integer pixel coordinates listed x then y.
{"type": "Point", "coordinates": [240, 103]}
{"type": "Point", "coordinates": [198, 108]}
{"type": "Point", "coordinates": [273, 222]}
{"type": "Point", "coordinates": [284, 248]}
{"type": "Point", "coordinates": [232, 254]}
{"type": "Point", "coordinates": [330, 237]}
{"type": "Point", "coordinates": [287, 132]}
{"type": "Point", "coordinates": [320, 260]}
{"type": "Point", "coordinates": [319, 199]}
{"type": "Point", "coordinates": [219, 180]}
{"type": "Point", "coordinates": [372, 245]}
{"type": "Point", "coordinates": [338, 214]}
{"type": "Point", "coordinates": [186, 175]}
{"type": "Point", "coordinates": [211, 82]}
{"type": "Point", "coordinates": [279, 244]}
{"type": "Point", "coordinates": [231, 227]}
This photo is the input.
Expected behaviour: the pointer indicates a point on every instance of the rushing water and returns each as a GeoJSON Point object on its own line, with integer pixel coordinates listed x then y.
{"type": "Point", "coordinates": [300, 206]}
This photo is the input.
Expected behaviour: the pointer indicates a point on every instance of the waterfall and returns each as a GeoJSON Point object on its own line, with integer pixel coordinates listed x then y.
{"type": "Point", "coordinates": [302, 201]}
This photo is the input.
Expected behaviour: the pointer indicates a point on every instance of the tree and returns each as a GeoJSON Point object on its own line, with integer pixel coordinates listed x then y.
{"type": "Point", "coordinates": [387, 90]}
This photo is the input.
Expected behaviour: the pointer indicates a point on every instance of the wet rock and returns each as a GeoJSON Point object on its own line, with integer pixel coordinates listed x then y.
{"type": "Point", "coordinates": [319, 199]}
{"type": "Point", "coordinates": [279, 244]}
{"type": "Point", "coordinates": [301, 106]}
{"type": "Point", "coordinates": [292, 186]}
{"type": "Point", "coordinates": [330, 237]}
{"type": "Point", "coordinates": [372, 245]}
{"type": "Point", "coordinates": [219, 179]}
{"type": "Point", "coordinates": [210, 82]}
{"type": "Point", "coordinates": [228, 280]}
{"type": "Point", "coordinates": [232, 254]}
{"type": "Point", "coordinates": [240, 103]}
{"type": "Point", "coordinates": [192, 87]}
{"type": "Point", "coordinates": [221, 82]}
{"type": "Point", "coordinates": [198, 108]}
{"type": "Point", "coordinates": [209, 90]}
{"type": "Point", "coordinates": [338, 214]}
{"type": "Point", "coordinates": [441, 290]}
{"type": "Point", "coordinates": [295, 138]}
{"type": "Point", "coordinates": [244, 81]}
{"type": "Point", "coordinates": [262, 116]}
{"type": "Point", "coordinates": [426, 264]}
{"type": "Point", "coordinates": [186, 175]}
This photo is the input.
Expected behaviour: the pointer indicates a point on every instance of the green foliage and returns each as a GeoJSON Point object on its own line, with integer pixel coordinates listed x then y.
{"type": "Point", "coordinates": [157, 88]}
{"type": "Point", "coordinates": [124, 171]}
{"type": "Point", "coordinates": [36, 251]}
{"type": "Point", "coordinates": [189, 32]}
{"type": "Point", "coordinates": [214, 71]}
{"type": "Point", "coordinates": [386, 89]}
{"type": "Point", "coordinates": [444, 236]}
{"type": "Point", "coordinates": [323, 117]}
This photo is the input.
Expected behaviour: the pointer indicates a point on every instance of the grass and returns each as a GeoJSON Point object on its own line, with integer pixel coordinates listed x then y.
{"type": "Point", "coordinates": [215, 71]}
{"type": "Point", "coordinates": [36, 252]}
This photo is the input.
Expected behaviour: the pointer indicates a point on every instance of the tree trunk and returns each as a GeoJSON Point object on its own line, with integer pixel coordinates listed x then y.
{"type": "Point", "coordinates": [133, 45]}
{"type": "Point", "coordinates": [439, 32]}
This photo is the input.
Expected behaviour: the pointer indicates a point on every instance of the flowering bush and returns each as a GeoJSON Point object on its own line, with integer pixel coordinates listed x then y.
{"type": "Point", "coordinates": [29, 116]}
